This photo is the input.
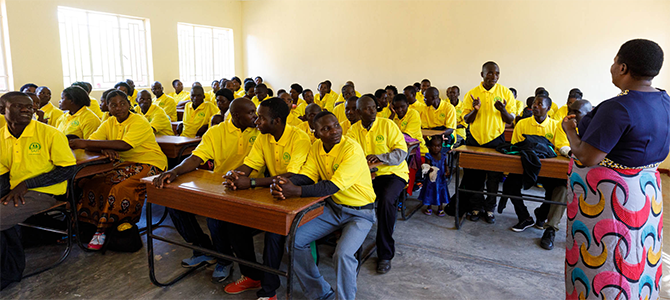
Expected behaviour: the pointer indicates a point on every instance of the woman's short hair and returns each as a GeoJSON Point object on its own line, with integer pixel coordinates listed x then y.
{"type": "Point", "coordinates": [78, 95]}
{"type": "Point", "coordinates": [644, 58]}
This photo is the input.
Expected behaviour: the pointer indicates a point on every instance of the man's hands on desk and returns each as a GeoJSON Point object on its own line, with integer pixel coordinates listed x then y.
{"type": "Point", "coordinates": [282, 188]}
{"type": "Point", "coordinates": [165, 178]}
{"type": "Point", "coordinates": [236, 180]}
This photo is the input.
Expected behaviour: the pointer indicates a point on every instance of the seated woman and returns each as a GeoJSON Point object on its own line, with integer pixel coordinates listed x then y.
{"type": "Point", "coordinates": [103, 105]}
{"type": "Point", "coordinates": [117, 196]}
{"type": "Point", "coordinates": [79, 122]}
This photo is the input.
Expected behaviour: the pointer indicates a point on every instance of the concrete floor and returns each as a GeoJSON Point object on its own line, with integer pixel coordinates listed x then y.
{"type": "Point", "coordinates": [433, 260]}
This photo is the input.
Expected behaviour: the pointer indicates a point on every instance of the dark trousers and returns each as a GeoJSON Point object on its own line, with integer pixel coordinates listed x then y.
{"type": "Point", "coordinates": [273, 252]}
{"type": "Point", "coordinates": [232, 239]}
{"type": "Point", "coordinates": [12, 257]}
{"type": "Point", "coordinates": [387, 188]}
{"type": "Point", "coordinates": [513, 185]}
{"type": "Point", "coordinates": [476, 179]}
{"type": "Point", "coordinates": [189, 229]}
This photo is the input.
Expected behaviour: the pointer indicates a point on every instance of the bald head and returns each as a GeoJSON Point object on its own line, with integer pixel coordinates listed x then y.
{"type": "Point", "coordinates": [433, 91]}
{"type": "Point", "coordinates": [312, 108]}
{"type": "Point", "coordinates": [579, 108]}
{"type": "Point", "coordinates": [364, 102]}
{"type": "Point", "coordinates": [241, 105]}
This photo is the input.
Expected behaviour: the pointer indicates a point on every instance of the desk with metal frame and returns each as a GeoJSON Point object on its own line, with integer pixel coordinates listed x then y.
{"type": "Point", "coordinates": [177, 146]}
{"type": "Point", "coordinates": [487, 159]}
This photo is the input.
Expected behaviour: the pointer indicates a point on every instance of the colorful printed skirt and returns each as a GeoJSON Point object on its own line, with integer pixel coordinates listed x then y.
{"type": "Point", "coordinates": [116, 196]}
{"type": "Point", "coordinates": [614, 233]}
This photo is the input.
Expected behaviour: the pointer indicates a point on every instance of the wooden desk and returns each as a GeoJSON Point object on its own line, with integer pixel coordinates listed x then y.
{"type": "Point", "coordinates": [180, 114]}
{"type": "Point", "coordinates": [91, 163]}
{"type": "Point", "coordinates": [175, 124]}
{"type": "Point", "coordinates": [201, 193]}
{"type": "Point", "coordinates": [508, 134]}
{"type": "Point", "coordinates": [431, 132]}
{"type": "Point", "coordinates": [177, 146]}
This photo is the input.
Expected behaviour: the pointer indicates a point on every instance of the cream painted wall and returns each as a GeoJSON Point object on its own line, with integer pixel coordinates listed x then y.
{"type": "Point", "coordinates": [555, 44]}
{"type": "Point", "coordinates": [35, 42]}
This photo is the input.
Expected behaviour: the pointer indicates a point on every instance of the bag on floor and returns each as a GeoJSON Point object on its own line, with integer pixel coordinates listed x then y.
{"type": "Point", "coordinates": [123, 238]}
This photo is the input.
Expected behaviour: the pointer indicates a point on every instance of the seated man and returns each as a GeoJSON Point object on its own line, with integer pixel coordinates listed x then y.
{"type": "Point", "coordinates": [293, 118]}
{"type": "Point", "coordinates": [282, 149]}
{"type": "Point", "coordinates": [308, 96]}
{"type": "Point", "coordinates": [35, 165]}
{"type": "Point", "coordinates": [249, 90]}
{"type": "Point", "coordinates": [298, 104]}
{"type": "Point", "coordinates": [425, 84]}
{"type": "Point", "coordinates": [325, 95]}
{"type": "Point", "coordinates": [556, 189]}
{"type": "Point", "coordinates": [351, 114]}
{"type": "Point", "coordinates": [219, 144]}
{"type": "Point", "coordinates": [261, 92]}
{"type": "Point", "coordinates": [179, 95]}
{"type": "Point", "coordinates": [342, 97]}
{"type": "Point", "coordinates": [383, 108]}
{"type": "Point", "coordinates": [159, 121]}
{"type": "Point", "coordinates": [167, 103]}
{"type": "Point", "coordinates": [197, 114]}
{"type": "Point", "coordinates": [333, 167]}
{"type": "Point", "coordinates": [347, 92]}
{"type": "Point", "coordinates": [410, 93]}
{"type": "Point", "coordinates": [438, 114]}
{"type": "Point", "coordinates": [382, 142]}
{"type": "Point", "coordinates": [574, 95]}
{"type": "Point", "coordinates": [308, 126]}
{"type": "Point", "coordinates": [51, 113]}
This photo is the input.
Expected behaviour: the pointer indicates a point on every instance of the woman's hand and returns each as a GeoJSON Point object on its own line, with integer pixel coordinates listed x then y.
{"type": "Point", "coordinates": [111, 154]}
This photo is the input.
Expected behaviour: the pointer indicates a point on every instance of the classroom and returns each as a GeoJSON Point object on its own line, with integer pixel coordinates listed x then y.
{"type": "Point", "coordinates": [217, 149]}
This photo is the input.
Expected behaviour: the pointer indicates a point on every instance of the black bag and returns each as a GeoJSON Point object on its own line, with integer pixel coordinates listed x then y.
{"type": "Point", "coordinates": [123, 238]}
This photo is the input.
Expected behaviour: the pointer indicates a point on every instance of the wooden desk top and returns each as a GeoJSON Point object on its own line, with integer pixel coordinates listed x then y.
{"type": "Point", "coordinates": [431, 132]}
{"type": "Point", "coordinates": [176, 140]}
{"type": "Point", "coordinates": [93, 162]}
{"type": "Point", "coordinates": [84, 157]}
{"type": "Point", "coordinates": [201, 192]}
{"type": "Point", "coordinates": [489, 159]}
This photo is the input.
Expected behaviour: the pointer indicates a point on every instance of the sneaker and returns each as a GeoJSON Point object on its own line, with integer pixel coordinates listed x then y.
{"type": "Point", "coordinates": [547, 241]}
{"type": "Point", "coordinates": [97, 241]}
{"type": "Point", "coordinates": [222, 272]}
{"type": "Point", "coordinates": [195, 261]}
{"type": "Point", "coordinates": [539, 224]}
{"type": "Point", "coordinates": [268, 298]}
{"type": "Point", "coordinates": [474, 216]}
{"type": "Point", "coordinates": [521, 226]}
{"type": "Point", "coordinates": [489, 217]}
{"type": "Point", "coordinates": [241, 285]}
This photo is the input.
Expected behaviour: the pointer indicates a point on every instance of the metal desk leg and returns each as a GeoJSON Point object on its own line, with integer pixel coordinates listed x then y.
{"type": "Point", "coordinates": [290, 240]}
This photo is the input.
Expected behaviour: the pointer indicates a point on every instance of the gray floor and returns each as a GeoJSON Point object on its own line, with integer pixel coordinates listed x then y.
{"type": "Point", "coordinates": [433, 260]}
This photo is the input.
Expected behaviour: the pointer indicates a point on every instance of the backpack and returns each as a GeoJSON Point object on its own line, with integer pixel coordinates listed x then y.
{"type": "Point", "coordinates": [123, 238]}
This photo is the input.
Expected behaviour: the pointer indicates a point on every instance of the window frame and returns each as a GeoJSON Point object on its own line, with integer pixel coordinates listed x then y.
{"type": "Point", "coordinates": [231, 49]}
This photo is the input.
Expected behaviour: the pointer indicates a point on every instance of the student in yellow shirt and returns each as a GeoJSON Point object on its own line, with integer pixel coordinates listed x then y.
{"type": "Point", "coordinates": [453, 93]}
{"type": "Point", "coordinates": [237, 87]}
{"type": "Point", "coordinates": [520, 105]}
{"type": "Point", "coordinates": [574, 95]}
{"type": "Point", "coordinates": [249, 90]}
{"type": "Point", "coordinates": [34, 167]}
{"type": "Point", "coordinates": [223, 99]}
{"type": "Point", "coordinates": [308, 96]}
{"type": "Point", "coordinates": [197, 114]}
{"type": "Point", "coordinates": [384, 109]}
{"type": "Point", "coordinates": [51, 113]}
{"type": "Point", "coordinates": [341, 98]}
{"type": "Point", "coordinates": [308, 126]}
{"type": "Point", "coordinates": [351, 114]}
{"type": "Point", "coordinates": [391, 91]}
{"type": "Point", "coordinates": [282, 149]}
{"type": "Point", "coordinates": [227, 144]}
{"type": "Point", "coordinates": [384, 143]}
{"type": "Point", "coordinates": [408, 120]}
{"type": "Point", "coordinates": [261, 92]}
{"type": "Point", "coordinates": [126, 137]}
{"type": "Point", "coordinates": [2, 121]}
{"type": "Point", "coordinates": [28, 88]}
{"type": "Point", "coordinates": [179, 95]}
{"type": "Point", "coordinates": [167, 103]}
{"type": "Point", "coordinates": [125, 88]}
{"type": "Point", "coordinates": [486, 109]}
{"type": "Point", "coordinates": [211, 95]}
{"type": "Point", "coordinates": [103, 105]}
{"type": "Point", "coordinates": [347, 92]}
{"type": "Point", "coordinates": [94, 107]}
{"type": "Point", "coordinates": [333, 167]}
{"type": "Point", "coordinates": [410, 92]}
{"type": "Point", "coordinates": [425, 84]}
{"type": "Point", "coordinates": [156, 116]}
{"type": "Point", "coordinates": [300, 105]}
{"type": "Point", "coordinates": [326, 95]}
{"type": "Point", "coordinates": [542, 91]}
{"type": "Point", "coordinates": [79, 122]}
{"type": "Point", "coordinates": [293, 119]}
{"type": "Point", "coordinates": [439, 114]}
{"type": "Point", "coordinates": [133, 95]}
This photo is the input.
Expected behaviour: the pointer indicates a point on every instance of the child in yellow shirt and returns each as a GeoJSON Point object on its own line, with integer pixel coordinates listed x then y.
{"type": "Point", "coordinates": [156, 116]}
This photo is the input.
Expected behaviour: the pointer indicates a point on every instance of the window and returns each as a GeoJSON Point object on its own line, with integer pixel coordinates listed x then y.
{"type": "Point", "coordinates": [205, 53]}
{"type": "Point", "coordinates": [103, 48]}
{"type": "Point", "coordinates": [6, 82]}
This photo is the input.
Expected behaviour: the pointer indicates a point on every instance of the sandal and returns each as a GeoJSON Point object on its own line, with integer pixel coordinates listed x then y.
{"type": "Point", "coordinates": [428, 212]}
{"type": "Point", "coordinates": [97, 241]}
{"type": "Point", "coordinates": [441, 213]}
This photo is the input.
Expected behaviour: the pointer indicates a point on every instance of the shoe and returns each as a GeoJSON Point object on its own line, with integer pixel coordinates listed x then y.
{"type": "Point", "coordinates": [97, 241]}
{"type": "Point", "coordinates": [547, 241]}
{"type": "Point", "coordinates": [521, 226]}
{"type": "Point", "coordinates": [327, 296]}
{"type": "Point", "coordinates": [195, 261]}
{"type": "Point", "coordinates": [383, 266]}
{"type": "Point", "coordinates": [441, 213]}
{"type": "Point", "coordinates": [539, 224]}
{"type": "Point", "coordinates": [241, 285]}
{"type": "Point", "coordinates": [489, 217]}
{"type": "Point", "coordinates": [428, 212]}
{"type": "Point", "coordinates": [474, 216]}
{"type": "Point", "coordinates": [222, 272]}
{"type": "Point", "coordinates": [268, 298]}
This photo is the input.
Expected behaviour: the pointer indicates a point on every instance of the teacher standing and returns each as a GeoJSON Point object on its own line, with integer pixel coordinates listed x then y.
{"type": "Point", "coordinates": [614, 232]}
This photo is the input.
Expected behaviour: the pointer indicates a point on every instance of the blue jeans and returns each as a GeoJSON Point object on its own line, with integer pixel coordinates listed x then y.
{"type": "Point", "coordinates": [355, 225]}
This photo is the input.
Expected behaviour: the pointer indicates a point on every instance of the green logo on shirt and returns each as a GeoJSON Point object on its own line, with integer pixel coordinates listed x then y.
{"type": "Point", "coordinates": [335, 166]}
{"type": "Point", "coordinates": [75, 123]}
{"type": "Point", "coordinates": [497, 99]}
{"type": "Point", "coordinates": [403, 124]}
{"type": "Point", "coordinates": [202, 114]}
{"type": "Point", "coordinates": [549, 136]}
{"type": "Point", "coordinates": [34, 148]}
{"type": "Point", "coordinates": [286, 157]}
{"type": "Point", "coordinates": [379, 139]}
{"type": "Point", "coordinates": [442, 116]}
{"type": "Point", "coordinates": [252, 139]}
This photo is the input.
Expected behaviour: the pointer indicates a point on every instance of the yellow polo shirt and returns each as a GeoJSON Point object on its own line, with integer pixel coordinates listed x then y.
{"type": "Point", "coordinates": [158, 120]}
{"type": "Point", "coordinates": [2, 121]}
{"type": "Point", "coordinates": [550, 128]}
{"type": "Point", "coordinates": [342, 167]}
{"type": "Point", "coordinates": [169, 105]}
{"type": "Point", "coordinates": [419, 96]}
{"type": "Point", "coordinates": [383, 137]}
{"type": "Point", "coordinates": [51, 113]}
{"type": "Point", "coordinates": [444, 115]}
{"type": "Point", "coordinates": [105, 116]}
{"type": "Point", "coordinates": [340, 99]}
{"type": "Point", "coordinates": [304, 126]}
{"type": "Point", "coordinates": [240, 92]}
{"type": "Point", "coordinates": [210, 97]}
{"type": "Point", "coordinates": [38, 150]}
{"type": "Point", "coordinates": [95, 107]}
{"type": "Point", "coordinates": [256, 102]}
{"type": "Point", "coordinates": [328, 100]}
{"type": "Point", "coordinates": [489, 124]}
{"type": "Point", "coordinates": [82, 124]}
{"type": "Point", "coordinates": [560, 113]}
{"type": "Point", "coordinates": [293, 119]}
{"type": "Point", "coordinates": [183, 96]}
{"type": "Point", "coordinates": [339, 112]}
{"type": "Point", "coordinates": [385, 113]}
{"type": "Point", "coordinates": [411, 125]}
{"type": "Point", "coordinates": [419, 106]}
{"type": "Point", "coordinates": [133, 98]}
{"type": "Point", "coordinates": [287, 155]}
{"type": "Point", "coordinates": [345, 126]}
{"type": "Point", "coordinates": [227, 145]}
{"type": "Point", "coordinates": [194, 119]}
{"type": "Point", "coordinates": [460, 120]}
{"type": "Point", "coordinates": [552, 110]}
{"type": "Point", "coordinates": [137, 132]}
{"type": "Point", "coordinates": [520, 106]}
{"type": "Point", "coordinates": [300, 107]}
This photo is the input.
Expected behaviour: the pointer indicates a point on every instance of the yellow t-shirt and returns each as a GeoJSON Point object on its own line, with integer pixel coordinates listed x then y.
{"type": "Point", "coordinates": [227, 145]}
{"type": "Point", "coordinates": [240, 93]}
{"type": "Point", "coordinates": [82, 124]}
{"type": "Point", "coordinates": [38, 150]}
{"type": "Point", "coordinates": [411, 125]}
{"type": "Point", "coordinates": [560, 113]}
{"type": "Point", "coordinates": [51, 113]}
{"type": "Point", "coordinates": [304, 126]}
{"type": "Point", "coordinates": [345, 126]}
{"type": "Point", "coordinates": [194, 119]}
{"type": "Point", "coordinates": [341, 166]}
{"type": "Point", "coordinates": [520, 106]}
{"type": "Point", "coordinates": [444, 115]}
{"type": "Point", "coordinates": [552, 110]}
{"type": "Point", "coordinates": [340, 100]}
{"type": "Point", "coordinates": [132, 98]}
{"type": "Point", "coordinates": [327, 101]}
{"type": "Point", "coordinates": [210, 97]}
{"type": "Point", "coordinates": [169, 105]}
{"type": "Point", "coordinates": [460, 120]}
{"type": "Point", "coordinates": [256, 102]}
{"type": "Point", "coordinates": [385, 113]}
{"type": "Point", "coordinates": [284, 156]}
{"type": "Point", "coordinates": [159, 120]}
{"type": "Point", "coordinates": [419, 106]}
{"type": "Point", "coordinates": [95, 107]}
{"type": "Point", "coordinates": [300, 107]}
{"type": "Point", "coordinates": [339, 112]}
{"type": "Point", "coordinates": [183, 96]}
{"type": "Point", "coordinates": [293, 119]}
{"type": "Point", "coordinates": [550, 129]}
{"type": "Point", "coordinates": [489, 124]}
{"type": "Point", "coordinates": [419, 96]}
{"type": "Point", "coordinates": [2, 121]}
{"type": "Point", "coordinates": [105, 116]}
{"type": "Point", "coordinates": [383, 137]}
{"type": "Point", "coordinates": [137, 132]}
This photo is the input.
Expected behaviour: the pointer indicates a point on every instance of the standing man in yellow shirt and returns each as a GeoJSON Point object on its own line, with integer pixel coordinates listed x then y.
{"type": "Point", "coordinates": [156, 116]}
{"type": "Point", "coordinates": [383, 142]}
{"type": "Point", "coordinates": [282, 149]}
{"type": "Point", "coordinates": [197, 114]}
{"type": "Point", "coordinates": [333, 167]}
{"type": "Point", "coordinates": [227, 144]}
{"type": "Point", "coordinates": [51, 113]}
{"type": "Point", "coordinates": [35, 165]}
{"type": "Point", "coordinates": [167, 103]}
{"type": "Point", "coordinates": [410, 93]}
{"type": "Point", "coordinates": [486, 108]}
